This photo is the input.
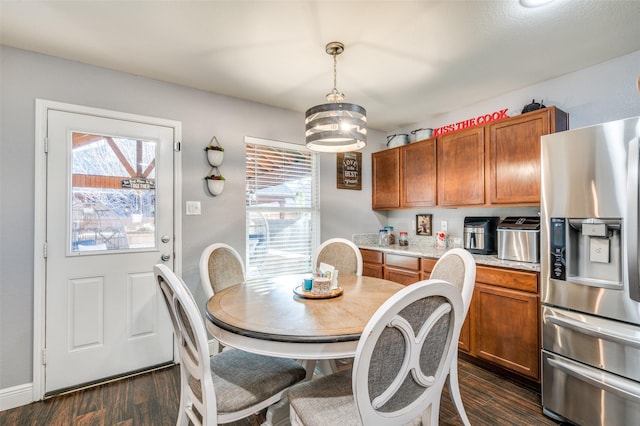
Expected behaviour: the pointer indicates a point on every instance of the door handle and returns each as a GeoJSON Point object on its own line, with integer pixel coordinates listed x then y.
{"type": "Point", "coordinates": [633, 199]}
{"type": "Point", "coordinates": [607, 382]}
{"type": "Point", "coordinates": [165, 239]}
{"type": "Point", "coordinates": [165, 257]}
{"type": "Point", "coordinates": [595, 331]}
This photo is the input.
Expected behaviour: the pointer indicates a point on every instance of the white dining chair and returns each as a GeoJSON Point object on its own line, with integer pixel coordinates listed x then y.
{"type": "Point", "coordinates": [228, 386]}
{"type": "Point", "coordinates": [400, 367]}
{"type": "Point", "coordinates": [220, 267]}
{"type": "Point", "coordinates": [345, 256]}
{"type": "Point", "coordinates": [341, 253]}
{"type": "Point", "coordinates": [458, 267]}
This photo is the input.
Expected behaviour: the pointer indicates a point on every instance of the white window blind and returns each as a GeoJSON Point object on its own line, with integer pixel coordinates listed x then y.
{"type": "Point", "coordinates": [282, 208]}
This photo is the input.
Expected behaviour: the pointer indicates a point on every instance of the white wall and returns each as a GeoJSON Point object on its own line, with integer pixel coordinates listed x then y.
{"type": "Point", "coordinates": [27, 76]}
{"type": "Point", "coordinates": [593, 95]}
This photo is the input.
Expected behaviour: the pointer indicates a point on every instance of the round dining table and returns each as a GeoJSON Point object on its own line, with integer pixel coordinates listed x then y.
{"type": "Point", "coordinates": [271, 318]}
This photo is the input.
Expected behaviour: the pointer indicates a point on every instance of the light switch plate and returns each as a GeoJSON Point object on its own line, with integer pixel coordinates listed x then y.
{"type": "Point", "coordinates": [443, 225]}
{"type": "Point", "coordinates": [193, 208]}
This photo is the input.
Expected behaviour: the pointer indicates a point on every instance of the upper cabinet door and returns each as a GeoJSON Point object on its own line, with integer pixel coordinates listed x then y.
{"type": "Point", "coordinates": [514, 155]}
{"type": "Point", "coordinates": [514, 158]}
{"type": "Point", "coordinates": [461, 168]}
{"type": "Point", "coordinates": [418, 174]}
{"type": "Point", "coordinates": [385, 169]}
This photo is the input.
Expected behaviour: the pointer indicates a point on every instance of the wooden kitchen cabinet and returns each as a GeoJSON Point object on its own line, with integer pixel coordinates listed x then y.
{"type": "Point", "coordinates": [372, 263]}
{"type": "Point", "coordinates": [460, 170]}
{"type": "Point", "coordinates": [418, 174]}
{"type": "Point", "coordinates": [427, 266]}
{"type": "Point", "coordinates": [502, 327]}
{"type": "Point", "coordinates": [401, 269]}
{"type": "Point", "coordinates": [514, 155]}
{"type": "Point", "coordinates": [385, 169]}
{"type": "Point", "coordinates": [404, 177]}
{"type": "Point", "coordinates": [505, 320]}
{"type": "Point", "coordinates": [497, 164]}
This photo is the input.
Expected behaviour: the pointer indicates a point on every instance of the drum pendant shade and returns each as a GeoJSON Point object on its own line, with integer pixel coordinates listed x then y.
{"type": "Point", "coordinates": [335, 126]}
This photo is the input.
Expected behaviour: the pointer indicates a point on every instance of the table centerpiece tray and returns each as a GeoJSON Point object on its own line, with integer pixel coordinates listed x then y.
{"type": "Point", "coordinates": [300, 292]}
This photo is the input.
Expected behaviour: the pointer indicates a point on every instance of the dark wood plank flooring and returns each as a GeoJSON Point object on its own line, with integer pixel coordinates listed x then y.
{"type": "Point", "coordinates": [152, 399]}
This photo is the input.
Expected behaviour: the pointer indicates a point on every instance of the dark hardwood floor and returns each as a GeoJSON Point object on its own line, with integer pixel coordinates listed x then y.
{"type": "Point", "coordinates": [152, 399]}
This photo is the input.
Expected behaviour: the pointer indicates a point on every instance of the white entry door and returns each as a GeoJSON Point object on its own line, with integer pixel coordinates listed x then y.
{"type": "Point", "coordinates": [109, 221]}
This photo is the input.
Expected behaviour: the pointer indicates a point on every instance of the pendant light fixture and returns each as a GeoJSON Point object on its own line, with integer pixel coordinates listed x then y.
{"type": "Point", "coordinates": [335, 126]}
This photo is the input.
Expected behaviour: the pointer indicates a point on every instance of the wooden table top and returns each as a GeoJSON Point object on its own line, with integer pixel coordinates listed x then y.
{"type": "Point", "coordinates": [272, 311]}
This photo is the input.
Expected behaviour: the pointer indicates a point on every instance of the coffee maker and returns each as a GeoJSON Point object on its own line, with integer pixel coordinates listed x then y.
{"type": "Point", "coordinates": [480, 234]}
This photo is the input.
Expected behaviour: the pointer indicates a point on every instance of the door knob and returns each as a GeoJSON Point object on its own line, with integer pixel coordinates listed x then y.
{"type": "Point", "coordinates": [165, 238]}
{"type": "Point", "coordinates": [165, 257]}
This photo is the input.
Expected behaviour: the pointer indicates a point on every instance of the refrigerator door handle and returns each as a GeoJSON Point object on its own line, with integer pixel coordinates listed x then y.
{"type": "Point", "coordinates": [595, 331]}
{"type": "Point", "coordinates": [608, 382]}
{"type": "Point", "coordinates": [632, 220]}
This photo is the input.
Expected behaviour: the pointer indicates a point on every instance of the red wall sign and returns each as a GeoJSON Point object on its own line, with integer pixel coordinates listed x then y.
{"type": "Point", "coordinates": [472, 122]}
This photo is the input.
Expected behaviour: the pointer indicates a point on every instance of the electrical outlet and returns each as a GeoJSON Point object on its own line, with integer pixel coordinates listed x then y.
{"type": "Point", "coordinates": [443, 225]}
{"type": "Point", "coordinates": [193, 208]}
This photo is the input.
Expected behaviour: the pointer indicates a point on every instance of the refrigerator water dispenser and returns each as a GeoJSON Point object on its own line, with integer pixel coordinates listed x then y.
{"type": "Point", "coordinates": [594, 252]}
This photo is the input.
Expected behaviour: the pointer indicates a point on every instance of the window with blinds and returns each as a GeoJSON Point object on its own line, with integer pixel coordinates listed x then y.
{"type": "Point", "coordinates": [282, 208]}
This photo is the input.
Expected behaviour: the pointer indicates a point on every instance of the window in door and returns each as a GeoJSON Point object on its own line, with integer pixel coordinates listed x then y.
{"type": "Point", "coordinates": [113, 194]}
{"type": "Point", "coordinates": [282, 208]}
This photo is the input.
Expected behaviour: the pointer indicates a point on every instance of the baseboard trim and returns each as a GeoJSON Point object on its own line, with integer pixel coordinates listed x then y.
{"type": "Point", "coordinates": [16, 396]}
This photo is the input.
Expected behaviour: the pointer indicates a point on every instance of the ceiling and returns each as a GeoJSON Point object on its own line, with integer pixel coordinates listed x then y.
{"type": "Point", "coordinates": [404, 61]}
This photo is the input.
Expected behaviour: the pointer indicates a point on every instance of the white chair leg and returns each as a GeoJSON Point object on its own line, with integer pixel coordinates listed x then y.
{"type": "Point", "coordinates": [454, 392]}
{"type": "Point", "coordinates": [309, 366]}
{"type": "Point", "coordinates": [327, 366]}
{"type": "Point", "coordinates": [430, 415]}
{"type": "Point", "coordinates": [215, 347]}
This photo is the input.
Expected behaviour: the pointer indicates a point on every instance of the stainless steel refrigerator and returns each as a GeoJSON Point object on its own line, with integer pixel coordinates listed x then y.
{"type": "Point", "coordinates": [590, 274]}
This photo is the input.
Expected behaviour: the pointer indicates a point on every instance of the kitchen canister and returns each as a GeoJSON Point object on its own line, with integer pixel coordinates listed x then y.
{"type": "Point", "coordinates": [392, 235]}
{"type": "Point", "coordinates": [421, 134]}
{"type": "Point", "coordinates": [383, 238]}
{"type": "Point", "coordinates": [397, 140]}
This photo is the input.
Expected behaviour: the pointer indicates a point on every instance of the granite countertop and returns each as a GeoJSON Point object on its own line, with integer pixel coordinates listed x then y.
{"type": "Point", "coordinates": [426, 251]}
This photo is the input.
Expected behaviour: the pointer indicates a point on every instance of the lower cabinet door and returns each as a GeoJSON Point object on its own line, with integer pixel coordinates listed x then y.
{"type": "Point", "coordinates": [505, 329]}
{"type": "Point", "coordinates": [464, 342]}
{"type": "Point", "coordinates": [371, 270]}
{"type": "Point", "coordinates": [401, 276]}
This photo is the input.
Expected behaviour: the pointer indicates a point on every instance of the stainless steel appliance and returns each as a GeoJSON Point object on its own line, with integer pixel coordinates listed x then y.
{"type": "Point", "coordinates": [519, 239]}
{"type": "Point", "coordinates": [590, 275]}
{"type": "Point", "coordinates": [480, 234]}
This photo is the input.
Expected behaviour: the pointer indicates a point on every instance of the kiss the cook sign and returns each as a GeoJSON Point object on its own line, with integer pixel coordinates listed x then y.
{"type": "Point", "coordinates": [472, 122]}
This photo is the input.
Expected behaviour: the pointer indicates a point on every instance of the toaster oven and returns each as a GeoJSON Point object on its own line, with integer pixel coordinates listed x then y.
{"type": "Point", "coordinates": [519, 239]}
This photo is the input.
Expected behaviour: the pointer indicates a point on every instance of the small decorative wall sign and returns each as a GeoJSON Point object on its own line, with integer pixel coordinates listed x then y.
{"type": "Point", "coordinates": [349, 166]}
{"type": "Point", "coordinates": [423, 224]}
{"type": "Point", "coordinates": [138, 183]}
